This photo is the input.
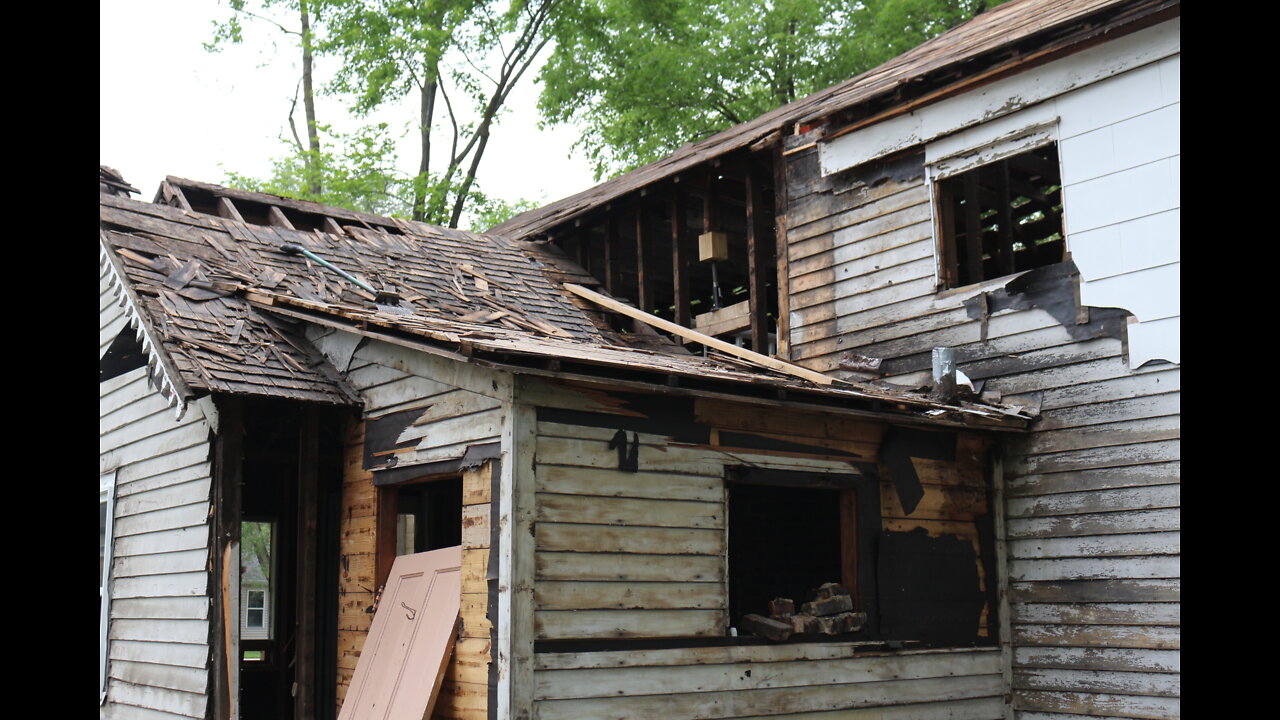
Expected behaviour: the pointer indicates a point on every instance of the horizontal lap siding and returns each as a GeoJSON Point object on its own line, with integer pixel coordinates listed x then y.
{"type": "Point", "coordinates": [774, 681]}
{"type": "Point", "coordinates": [159, 634]}
{"type": "Point", "coordinates": [1092, 491]}
{"type": "Point", "coordinates": [620, 554]}
{"type": "Point", "coordinates": [643, 555]}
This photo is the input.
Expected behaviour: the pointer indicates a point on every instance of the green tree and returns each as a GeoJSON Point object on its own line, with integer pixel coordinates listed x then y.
{"type": "Point", "coordinates": [361, 175]}
{"type": "Point", "coordinates": [445, 51]}
{"type": "Point", "coordinates": [231, 31]}
{"type": "Point", "coordinates": [643, 77]}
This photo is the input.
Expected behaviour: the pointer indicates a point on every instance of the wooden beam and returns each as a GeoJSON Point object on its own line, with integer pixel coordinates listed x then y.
{"type": "Point", "coordinates": [275, 218]}
{"type": "Point", "coordinates": [782, 252]}
{"type": "Point", "coordinates": [611, 255]}
{"type": "Point", "coordinates": [227, 209]}
{"type": "Point", "coordinates": [972, 229]}
{"type": "Point", "coordinates": [681, 259]}
{"type": "Point", "coordinates": [644, 289]}
{"type": "Point", "coordinates": [684, 332]}
{"type": "Point", "coordinates": [757, 258]}
{"type": "Point", "coordinates": [1008, 228]}
{"type": "Point", "coordinates": [305, 674]}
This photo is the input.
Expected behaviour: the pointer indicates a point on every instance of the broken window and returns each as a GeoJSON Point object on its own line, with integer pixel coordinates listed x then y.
{"type": "Point", "coordinates": [1001, 218]}
{"type": "Point", "coordinates": [417, 516]}
{"type": "Point", "coordinates": [791, 534]}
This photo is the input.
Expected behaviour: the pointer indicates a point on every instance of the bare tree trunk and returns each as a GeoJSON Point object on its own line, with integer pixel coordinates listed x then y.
{"type": "Point", "coordinates": [427, 110]}
{"type": "Point", "coordinates": [309, 103]}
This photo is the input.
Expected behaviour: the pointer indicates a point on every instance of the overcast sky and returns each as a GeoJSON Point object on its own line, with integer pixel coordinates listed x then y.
{"type": "Point", "coordinates": [168, 107]}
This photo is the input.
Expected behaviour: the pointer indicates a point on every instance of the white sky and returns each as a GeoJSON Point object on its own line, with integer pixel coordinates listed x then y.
{"type": "Point", "coordinates": [168, 107]}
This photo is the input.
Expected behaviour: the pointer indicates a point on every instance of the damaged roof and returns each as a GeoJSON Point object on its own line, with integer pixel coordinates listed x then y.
{"type": "Point", "coordinates": [226, 299]}
{"type": "Point", "coordinates": [1000, 40]}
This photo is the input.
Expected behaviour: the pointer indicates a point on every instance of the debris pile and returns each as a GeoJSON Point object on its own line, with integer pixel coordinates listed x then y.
{"type": "Point", "coordinates": [829, 613]}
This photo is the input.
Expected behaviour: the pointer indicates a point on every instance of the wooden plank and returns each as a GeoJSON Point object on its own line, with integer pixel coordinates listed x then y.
{"type": "Point", "coordinates": [1103, 523]}
{"type": "Point", "coordinates": [1153, 543]}
{"type": "Point", "coordinates": [757, 260]}
{"type": "Point", "coordinates": [700, 678]}
{"type": "Point", "coordinates": [628, 567]}
{"type": "Point", "coordinates": [630, 595]}
{"type": "Point", "coordinates": [728, 704]}
{"type": "Point", "coordinates": [1098, 613]}
{"type": "Point", "coordinates": [629, 511]}
{"type": "Point", "coordinates": [681, 258]}
{"type": "Point", "coordinates": [600, 624]}
{"type": "Point", "coordinates": [1127, 683]}
{"type": "Point", "coordinates": [1099, 704]}
{"type": "Point", "coordinates": [160, 653]}
{"type": "Point", "coordinates": [755, 358]}
{"type": "Point", "coordinates": [644, 540]}
{"type": "Point", "coordinates": [1122, 659]}
{"type": "Point", "coordinates": [1077, 591]}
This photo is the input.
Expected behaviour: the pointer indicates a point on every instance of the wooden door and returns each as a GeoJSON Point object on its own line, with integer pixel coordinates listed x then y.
{"type": "Point", "coordinates": [402, 664]}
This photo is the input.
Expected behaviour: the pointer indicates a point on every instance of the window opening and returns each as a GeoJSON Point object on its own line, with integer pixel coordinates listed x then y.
{"type": "Point", "coordinates": [417, 516]}
{"type": "Point", "coordinates": [802, 537]}
{"type": "Point", "coordinates": [257, 575]}
{"type": "Point", "coordinates": [1001, 218]}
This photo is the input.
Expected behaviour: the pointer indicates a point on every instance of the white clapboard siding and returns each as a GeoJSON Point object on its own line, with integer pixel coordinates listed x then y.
{"type": "Point", "coordinates": [1092, 492]}
{"type": "Point", "coordinates": [159, 634]}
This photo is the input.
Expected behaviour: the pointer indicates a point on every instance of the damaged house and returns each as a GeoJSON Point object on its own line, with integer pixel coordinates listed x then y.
{"type": "Point", "coordinates": [905, 350]}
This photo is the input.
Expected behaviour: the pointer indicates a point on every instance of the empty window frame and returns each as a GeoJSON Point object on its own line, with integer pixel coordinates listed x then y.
{"type": "Point", "coordinates": [791, 532]}
{"type": "Point", "coordinates": [1001, 218]}
{"type": "Point", "coordinates": [417, 516]}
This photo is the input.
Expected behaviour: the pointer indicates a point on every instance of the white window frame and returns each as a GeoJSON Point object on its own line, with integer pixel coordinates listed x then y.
{"type": "Point", "coordinates": [106, 496]}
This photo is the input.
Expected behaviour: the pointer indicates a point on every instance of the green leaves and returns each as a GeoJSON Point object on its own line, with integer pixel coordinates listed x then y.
{"type": "Point", "coordinates": [646, 76]}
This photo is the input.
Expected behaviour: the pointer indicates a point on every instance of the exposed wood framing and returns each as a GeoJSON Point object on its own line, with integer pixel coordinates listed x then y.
{"type": "Point", "coordinates": [753, 357]}
{"type": "Point", "coordinates": [757, 254]}
{"type": "Point", "coordinates": [682, 257]}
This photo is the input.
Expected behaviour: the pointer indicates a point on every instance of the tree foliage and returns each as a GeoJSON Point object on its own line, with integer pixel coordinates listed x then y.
{"type": "Point", "coordinates": [646, 76]}
{"type": "Point", "coordinates": [463, 55]}
{"type": "Point", "coordinates": [359, 175]}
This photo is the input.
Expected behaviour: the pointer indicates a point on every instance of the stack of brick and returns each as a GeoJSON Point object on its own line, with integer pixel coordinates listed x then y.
{"type": "Point", "coordinates": [829, 613]}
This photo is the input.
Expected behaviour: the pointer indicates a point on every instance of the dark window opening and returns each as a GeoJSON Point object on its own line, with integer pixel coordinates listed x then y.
{"type": "Point", "coordinates": [124, 355]}
{"type": "Point", "coordinates": [638, 253]}
{"type": "Point", "coordinates": [783, 542]}
{"type": "Point", "coordinates": [429, 516]}
{"type": "Point", "coordinates": [416, 516]}
{"type": "Point", "coordinates": [790, 533]}
{"type": "Point", "coordinates": [1001, 218]}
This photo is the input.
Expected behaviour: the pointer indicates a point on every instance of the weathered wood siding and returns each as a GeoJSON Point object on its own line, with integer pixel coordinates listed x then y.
{"type": "Point", "coordinates": [642, 554]}
{"type": "Point", "coordinates": [1092, 513]}
{"type": "Point", "coordinates": [444, 420]}
{"type": "Point", "coordinates": [159, 633]}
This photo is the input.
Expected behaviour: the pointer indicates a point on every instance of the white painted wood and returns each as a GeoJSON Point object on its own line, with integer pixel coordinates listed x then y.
{"type": "Point", "coordinates": [1001, 97]}
{"type": "Point", "coordinates": [158, 632]}
{"type": "Point", "coordinates": [728, 704]}
{"type": "Point", "coordinates": [1100, 658]}
{"type": "Point", "coordinates": [175, 703]}
{"type": "Point", "coordinates": [1041, 570]}
{"type": "Point", "coordinates": [193, 656]}
{"type": "Point", "coordinates": [565, 684]}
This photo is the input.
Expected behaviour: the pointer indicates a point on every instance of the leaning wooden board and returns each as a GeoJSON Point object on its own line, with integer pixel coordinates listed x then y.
{"type": "Point", "coordinates": [400, 669]}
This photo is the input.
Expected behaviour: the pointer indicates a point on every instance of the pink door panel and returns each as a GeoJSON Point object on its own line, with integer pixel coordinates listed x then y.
{"type": "Point", "coordinates": [402, 664]}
